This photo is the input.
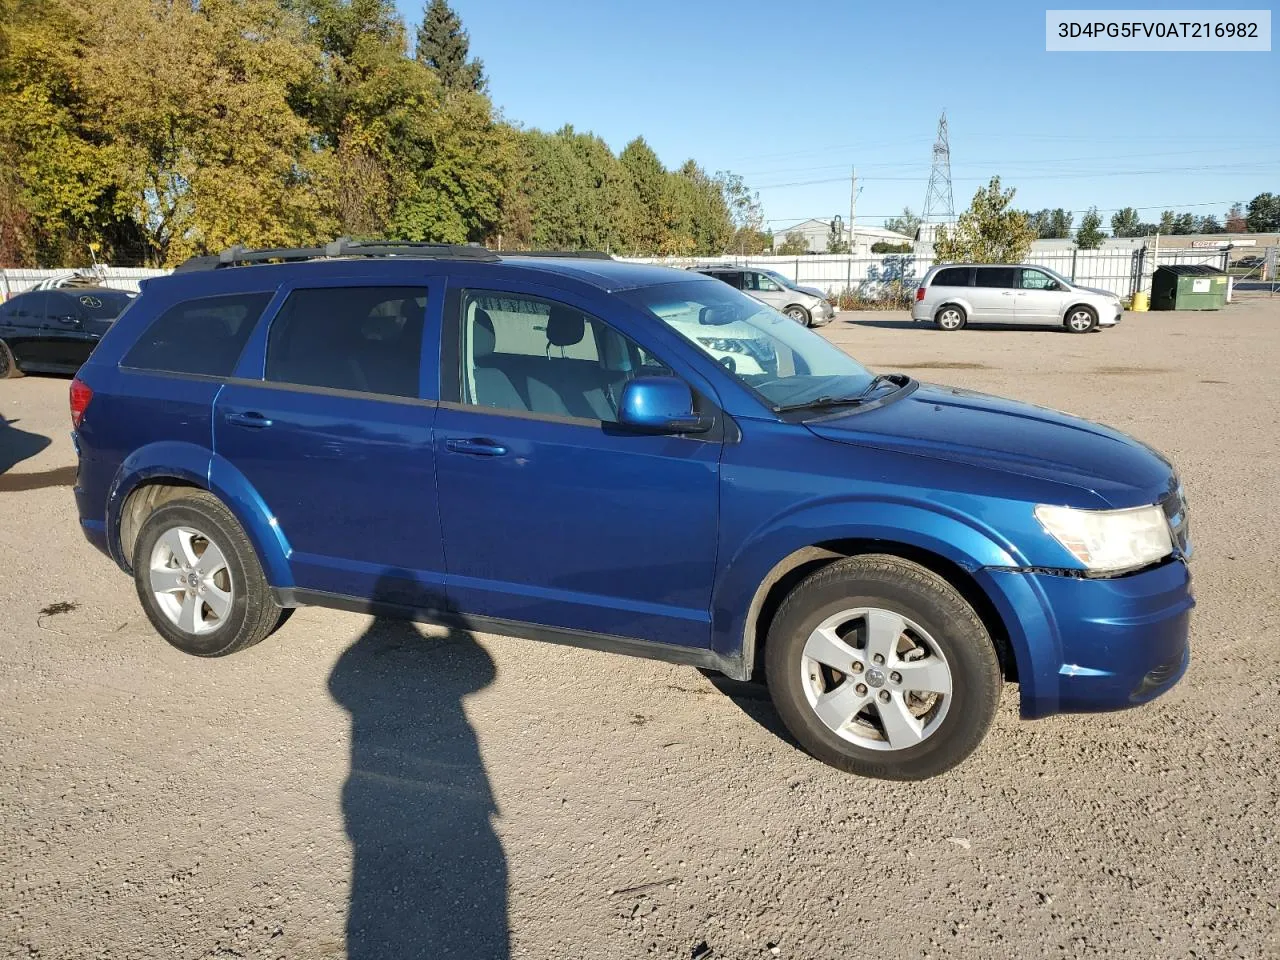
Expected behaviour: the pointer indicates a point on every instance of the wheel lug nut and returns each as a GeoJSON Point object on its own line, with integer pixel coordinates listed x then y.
{"type": "Point", "coordinates": [896, 677]}
{"type": "Point", "coordinates": [884, 696]}
{"type": "Point", "coordinates": [861, 689]}
{"type": "Point", "coordinates": [878, 658]}
{"type": "Point", "coordinates": [856, 667]}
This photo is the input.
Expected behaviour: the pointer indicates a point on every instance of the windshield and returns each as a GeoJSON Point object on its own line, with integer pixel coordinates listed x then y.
{"type": "Point", "coordinates": [783, 362]}
{"type": "Point", "coordinates": [101, 304]}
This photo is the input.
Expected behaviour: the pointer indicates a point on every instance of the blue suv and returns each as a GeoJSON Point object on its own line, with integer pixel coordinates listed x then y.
{"type": "Point", "coordinates": [630, 458]}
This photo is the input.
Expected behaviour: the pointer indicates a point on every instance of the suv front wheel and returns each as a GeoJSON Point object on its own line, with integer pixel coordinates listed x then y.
{"type": "Point", "coordinates": [1081, 319]}
{"type": "Point", "coordinates": [879, 667]}
{"type": "Point", "coordinates": [799, 314]}
{"type": "Point", "coordinates": [199, 579]}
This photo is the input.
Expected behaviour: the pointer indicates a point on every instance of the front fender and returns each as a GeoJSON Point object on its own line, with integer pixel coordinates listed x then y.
{"type": "Point", "coordinates": [191, 463]}
{"type": "Point", "coordinates": [934, 528]}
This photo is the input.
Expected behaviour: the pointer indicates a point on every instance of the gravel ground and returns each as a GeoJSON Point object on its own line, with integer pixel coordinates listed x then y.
{"type": "Point", "coordinates": [511, 798]}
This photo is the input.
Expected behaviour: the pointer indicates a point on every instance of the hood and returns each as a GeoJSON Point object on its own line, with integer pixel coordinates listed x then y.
{"type": "Point", "coordinates": [948, 423]}
{"type": "Point", "coordinates": [811, 291]}
{"type": "Point", "coordinates": [1097, 290]}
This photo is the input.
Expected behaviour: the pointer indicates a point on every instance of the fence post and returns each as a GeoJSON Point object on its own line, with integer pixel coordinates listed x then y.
{"type": "Point", "coordinates": [848, 273]}
{"type": "Point", "coordinates": [1138, 256]}
{"type": "Point", "coordinates": [1074, 251]}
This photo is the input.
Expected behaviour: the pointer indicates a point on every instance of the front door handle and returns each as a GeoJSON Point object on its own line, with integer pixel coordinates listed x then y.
{"type": "Point", "coordinates": [476, 446]}
{"type": "Point", "coordinates": [251, 419]}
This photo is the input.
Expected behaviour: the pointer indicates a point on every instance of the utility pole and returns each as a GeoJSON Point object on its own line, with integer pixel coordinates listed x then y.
{"type": "Point", "coordinates": [853, 206]}
{"type": "Point", "coordinates": [939, 203]}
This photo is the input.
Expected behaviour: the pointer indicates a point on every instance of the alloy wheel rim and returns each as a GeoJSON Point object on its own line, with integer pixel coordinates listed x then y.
{"type": "Point", "coordinates": [876, 679]}
{"type": "Point", "coordinates": [950, 319]}
{"type": "Point", "coordinates": [796, 315]}
{"type": "Point", "coordinates": [191, 581]}
{"type": "Point", "coordinates": [1080, 320]}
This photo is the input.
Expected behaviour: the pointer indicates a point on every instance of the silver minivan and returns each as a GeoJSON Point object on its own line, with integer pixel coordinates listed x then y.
{"type": "Point", "coordinates": [807, 305]}
{"type": "Point", "coordinates": [952, 295]}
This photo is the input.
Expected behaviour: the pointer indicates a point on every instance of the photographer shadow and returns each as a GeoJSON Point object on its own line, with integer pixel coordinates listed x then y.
{"type": "Point", "coordinates": [429, 877]}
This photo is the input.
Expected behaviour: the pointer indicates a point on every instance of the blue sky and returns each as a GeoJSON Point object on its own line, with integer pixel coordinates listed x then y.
{"type": "Point", "coordinates": [786, 94]}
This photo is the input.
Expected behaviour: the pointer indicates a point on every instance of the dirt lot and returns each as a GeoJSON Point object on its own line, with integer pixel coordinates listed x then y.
{"type": "Point", "coordinates": [579, 804]}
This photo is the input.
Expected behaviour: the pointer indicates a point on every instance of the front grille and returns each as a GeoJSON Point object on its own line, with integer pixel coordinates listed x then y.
{"type": "Point", "coordinates": [1175, 511]}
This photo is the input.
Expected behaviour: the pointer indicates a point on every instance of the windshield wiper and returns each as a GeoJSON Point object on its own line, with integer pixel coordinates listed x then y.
{"type": "Point", "coordinates": [818, 403]}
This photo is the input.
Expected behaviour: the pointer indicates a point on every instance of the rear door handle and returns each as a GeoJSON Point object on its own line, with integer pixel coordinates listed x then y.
{"type": "Point", "coordinates": [476, 446]}
{"type": "Point", "coordinates": [251, 419]}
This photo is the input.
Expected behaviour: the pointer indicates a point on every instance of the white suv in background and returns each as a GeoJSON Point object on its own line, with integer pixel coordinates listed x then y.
{"type": "Point", "coordinates": [952, 295]}
{"type": "Point", "coordinates": [806, 305]}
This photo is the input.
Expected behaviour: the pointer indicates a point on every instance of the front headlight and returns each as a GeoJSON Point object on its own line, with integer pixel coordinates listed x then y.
{"type": "Point", "coordinates": [1109, 541]}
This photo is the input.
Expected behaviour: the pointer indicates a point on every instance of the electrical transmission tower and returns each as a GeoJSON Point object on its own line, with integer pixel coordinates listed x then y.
{"type": "Point", "coordinates": [939, 205]}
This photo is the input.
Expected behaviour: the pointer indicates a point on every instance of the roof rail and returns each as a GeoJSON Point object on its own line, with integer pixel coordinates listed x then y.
{"type": "Point", "coordinates": [568, 254]}
{"type": "Point", "coordinates": [342, 247]}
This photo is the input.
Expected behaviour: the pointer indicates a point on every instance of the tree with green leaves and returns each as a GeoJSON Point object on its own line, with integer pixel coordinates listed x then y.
{"type": "Point", "coordinates": [1090, 235]}
{"type": "Point", "coordinates": [793, 245]}
{"type": "Point", "coordinates": [907, 224]}
{"type": "Point", "coordinates": [444, 46]}
{"type": "Point", "coordinates": [1126, 223]}
{"type": "Point", "coordinates": [1051, 224]}
{"type": "Point", "coordinates": [1235, 220]}
{"type": "Point", "coordinates": [990, 231]}
{"type": "Point", "coordinates": [836, 242]}
{"type": "Point", "coordinates": [1184, 224]}
{"type": "Point", "coordinates": [749, 236]}
{"type": "Point", "coordinates": [1264, 213]}
{"type": "Point", "coordinates": [1209, 224]}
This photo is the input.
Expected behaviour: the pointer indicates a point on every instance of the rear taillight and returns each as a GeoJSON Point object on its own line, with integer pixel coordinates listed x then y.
{"type": "Point", "coordinates": [81, 394]}
{"type": "Point", "coordinates": [919, 294]}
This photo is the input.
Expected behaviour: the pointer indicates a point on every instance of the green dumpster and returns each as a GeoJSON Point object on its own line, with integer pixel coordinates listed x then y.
{"type": "Point", "coordinates": [1187, 286]}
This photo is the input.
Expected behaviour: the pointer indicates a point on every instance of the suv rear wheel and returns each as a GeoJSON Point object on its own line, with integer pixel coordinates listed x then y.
{"type": "Point", "coordinates": [199, 579]}
{"type": "Point", "coordinates": [8, 366]}
{"type": "Point", "coordinates": [879, 667]}
{"type": "Point", "coordinates": [950, 317]}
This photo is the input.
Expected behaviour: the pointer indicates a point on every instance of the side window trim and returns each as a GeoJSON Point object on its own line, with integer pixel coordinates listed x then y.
{"type": "Point", "coordinates": [347, 283]}
{"type": "Point", "coordinates": [166, 308]}
{"type": "Point", "coordinates": [253, 360]}
{"type": "Point", "coordinates": [453, 359]}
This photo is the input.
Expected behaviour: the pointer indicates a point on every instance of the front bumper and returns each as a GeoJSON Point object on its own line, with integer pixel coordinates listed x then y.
{"type": "Point", "coordinates": [824, 312]}
{"type": "Point", "coordinates": [1087, 645]}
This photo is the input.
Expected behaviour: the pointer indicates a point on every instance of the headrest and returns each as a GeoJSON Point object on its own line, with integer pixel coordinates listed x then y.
{"type": "Point", "coordinates": [482, 336]}
{"type": "Point", "coordinates": [565, 326]}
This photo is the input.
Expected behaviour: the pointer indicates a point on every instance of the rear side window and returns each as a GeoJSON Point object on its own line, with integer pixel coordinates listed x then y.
{"type": "Point", "coordinates": [995, 277]}
{"type": "Point", "coordinates": [199, 336]}
{"type": "Point", "coordinates": [952, 277]}
{"type": "Point", "coordinates": [365, 339]}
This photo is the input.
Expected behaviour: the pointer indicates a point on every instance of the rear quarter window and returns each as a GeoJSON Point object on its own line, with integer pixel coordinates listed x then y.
{"type": "Point", "coordinates": [203, 336]}
{"type": "Point", "coordinates": [952, 277]}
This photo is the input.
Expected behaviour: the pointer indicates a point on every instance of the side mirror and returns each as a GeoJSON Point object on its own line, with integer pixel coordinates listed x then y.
{"type": "Point", "coordinates": [660, 405]}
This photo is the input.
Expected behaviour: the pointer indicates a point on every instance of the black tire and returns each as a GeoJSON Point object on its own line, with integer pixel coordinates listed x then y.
{"type": "Point", "coordinates": [253, 612]}
{"type": "Point", "coordinates": [8, 365]}
{"type": "Point", "coordinates": [900, 587]}
{"type": "Point", "coordinates": [947, 316]}
{"type": "Point", "coordinates": [1074, 320]}
{"type": "Point", "coordinates": [799, 314]}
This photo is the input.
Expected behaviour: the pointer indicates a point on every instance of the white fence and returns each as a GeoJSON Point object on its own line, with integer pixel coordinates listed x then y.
{"type": "Point", "coordinates": [17, 280]}
{"type": "Point", "coordinates": [1120, 271]}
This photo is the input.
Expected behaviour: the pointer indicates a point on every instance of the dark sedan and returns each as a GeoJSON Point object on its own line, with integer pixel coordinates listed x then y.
{"type": "Point", "coordinates": [54, 331]}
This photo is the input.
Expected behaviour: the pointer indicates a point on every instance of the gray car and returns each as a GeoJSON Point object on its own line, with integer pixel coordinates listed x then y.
{"type": "Point", "coordinates": [952, 295]}
{"type": "Point", "coordinates": [807, 305]}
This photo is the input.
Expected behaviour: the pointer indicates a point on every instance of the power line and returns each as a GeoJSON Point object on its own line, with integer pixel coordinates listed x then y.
{"type": "Point", "coordinates": [1152, 206]}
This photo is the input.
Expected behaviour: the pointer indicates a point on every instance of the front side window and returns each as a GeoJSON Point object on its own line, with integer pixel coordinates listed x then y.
{"type": "Point", "coordinates": [783, 362]}
{"type": "Point", "coordinates": [994, 277]}
{"type": "Point", "coordinates": [1037, 280]}
{"type": "Point", "coordinates": [202, 336]}
{"type": "Point", "coordinates": [364, 339]}
{"type": "Point", "coordinates": [758, 281]}
{"type": "Point", "coordinates": [533, 355]}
